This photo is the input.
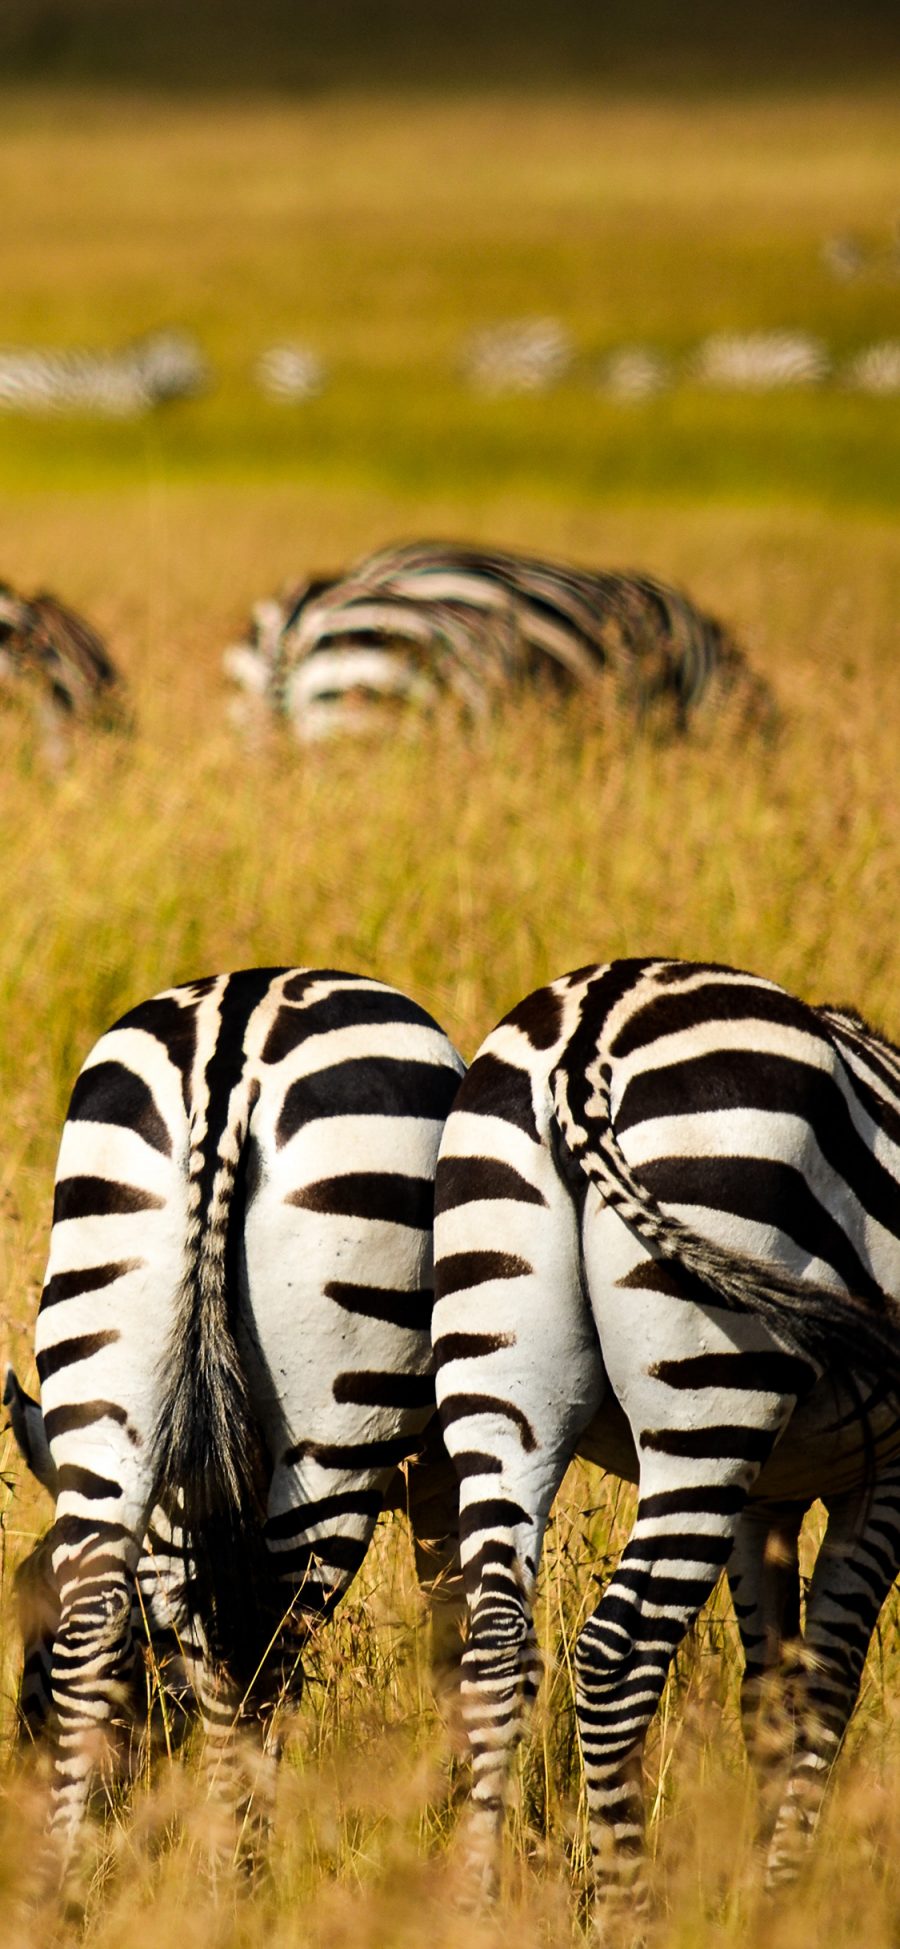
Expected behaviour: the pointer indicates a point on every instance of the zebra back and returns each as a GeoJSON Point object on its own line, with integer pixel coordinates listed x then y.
{"type": "Point", "coordinates": [475, 622]}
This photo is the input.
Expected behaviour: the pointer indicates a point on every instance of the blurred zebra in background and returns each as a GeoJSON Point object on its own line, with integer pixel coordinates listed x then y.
{"type": "Point", "coordinates": [425, 620]}
{"type": "Point", "coordinates": [119, 384]}
{"type": "Point", "coordinates": [53, 656]}
{"type": "Point", "coordinates": [667, 1238]}
{"type": "Point", "coordinates": [235, 1331]}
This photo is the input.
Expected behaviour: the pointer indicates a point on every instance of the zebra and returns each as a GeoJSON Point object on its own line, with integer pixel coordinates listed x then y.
{"type": "Point", "coordinates": [416, 621]}
{"type": "Point", "coordinates": [667, 1238]}
{"type": "Point", "coordinates": [234, 1330]}
{"type": "Point", "coordinates": [760, 361]}
{"type": "Point", "coordinates": [51, 650]}
{"type": "Point", "coordinates": [422, 1489]}
{"type": "Point", "coordinates": [158, 367]}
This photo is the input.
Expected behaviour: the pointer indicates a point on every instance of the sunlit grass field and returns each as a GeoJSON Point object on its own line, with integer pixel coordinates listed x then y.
{"type": "Point", "coordinates": [465, 863]}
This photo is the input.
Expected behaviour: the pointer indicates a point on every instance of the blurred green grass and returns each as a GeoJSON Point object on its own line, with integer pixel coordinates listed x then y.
{"type": "Point", "coordinates": [383, 229]}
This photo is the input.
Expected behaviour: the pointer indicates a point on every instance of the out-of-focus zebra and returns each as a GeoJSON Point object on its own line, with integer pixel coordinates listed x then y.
{"type": "Point", "coordinates": [667, 1238]}
{"type": "Point", "coordinates": [234, 1328]}
{"type": "Point", "coordinates": [52, 654]}
{"type": "Point", "coordinates": [119, 384]}
{"type": "Point", "coordinates": [426, 619]}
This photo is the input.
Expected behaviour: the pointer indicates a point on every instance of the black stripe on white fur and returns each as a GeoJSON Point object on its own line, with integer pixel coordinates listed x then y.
{"type": "Point", "coordinates": [668, 1238]}
{"type": "Point", "coordinates": [235, 1324]}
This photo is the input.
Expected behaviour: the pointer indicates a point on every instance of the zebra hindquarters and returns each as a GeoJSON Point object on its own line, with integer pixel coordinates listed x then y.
{"type": "Point", "coordinates": [706, 1392]}
{"type": "Point", "coordinates": [519, 1376]}
{"type": "Point", "coordinates": [338, 1256]}
{"type": "Point", "coordinates": [110, 1296]}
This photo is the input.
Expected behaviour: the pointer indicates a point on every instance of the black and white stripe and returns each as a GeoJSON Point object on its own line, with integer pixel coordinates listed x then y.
{"type": "Point", "coordinates": [235, 1326]}
{"type": "Point", "coordinates": [415, 623]}
{"type": "Point", "coordinates": [50, 652]}
{"type": "Point", "coordinates": [667, 1238]}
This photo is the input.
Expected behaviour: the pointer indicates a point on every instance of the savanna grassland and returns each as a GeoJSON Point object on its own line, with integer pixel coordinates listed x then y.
{"type": "Point", "coordinates": [466, 863]}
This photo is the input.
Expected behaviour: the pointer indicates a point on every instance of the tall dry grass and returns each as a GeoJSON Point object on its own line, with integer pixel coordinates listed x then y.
{"type": "Point", "coordinates": [468, 864]}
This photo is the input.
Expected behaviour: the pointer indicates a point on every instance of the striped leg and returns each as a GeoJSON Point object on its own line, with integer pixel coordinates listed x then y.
{"type": "Point", "coordinates": [501, 1667]}
{"type": "Point", "coordinates": [91, 1677]}
{"type": "Point", "coordinates": [94, 1545]}
{"type": "Point", "coordinates": [432, 1505]}
{"type": "Point", "coordinates": [764, 1580]}
{"type": "Point", "coordinates": [37, 1601]}
{"type": "Point", "coordinates": [681, 1539]}
{"type": "Point", "coordinates": [855, 1569]}
{"type": "Point", "coordinates": [704, 1424]}
{"type": "Point", "coordinates": [519, 1378]}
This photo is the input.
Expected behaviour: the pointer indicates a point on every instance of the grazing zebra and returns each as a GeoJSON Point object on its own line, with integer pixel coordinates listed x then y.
{"type": "Point", "coordinates": [52, 651]}
{"type": "Point", "coordinates": [760, 361]}
{"type": "Point", "coordinates": [414, 622]}
{"type": "Point", "coordinates": [160, 366]}
{"type": "Point", "coordinates": [667, 1238]}
{"type": "Point", "coordinates": [234, 1329]}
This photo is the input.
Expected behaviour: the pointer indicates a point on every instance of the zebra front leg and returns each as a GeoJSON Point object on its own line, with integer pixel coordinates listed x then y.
{"type": "Point", "coordinates": [855, 1569]}
{"type": "Point", "coordinates": [670, 1565]}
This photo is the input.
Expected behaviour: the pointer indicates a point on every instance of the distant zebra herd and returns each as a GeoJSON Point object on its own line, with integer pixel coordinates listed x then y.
{"type": "Point", "coordinates": [665, 1212]}
{"type": "Point", "coordinates": [411, 630]}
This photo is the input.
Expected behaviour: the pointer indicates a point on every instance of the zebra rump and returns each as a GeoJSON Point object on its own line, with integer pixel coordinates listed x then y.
{"type": "Point", "coordinates": [427, 620]}
{"type": "Point", "coordinates": [233, 1342]}
{"type": "Point", "coordinates": [816, 1320]}
{"type": "Point", "coordinates": [667, 1239]}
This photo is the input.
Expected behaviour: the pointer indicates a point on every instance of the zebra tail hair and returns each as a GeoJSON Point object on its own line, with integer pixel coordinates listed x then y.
{"type": "Point", "coordinates": [211, 1466]}
{"type": "Point", "coordinates": [819, 1323]}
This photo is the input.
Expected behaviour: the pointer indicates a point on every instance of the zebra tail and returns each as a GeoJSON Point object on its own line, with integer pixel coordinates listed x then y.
{"type": "Point", "coordinates": [819, 1323]}
{"type": "Point", "coordinates": [211, 1465]}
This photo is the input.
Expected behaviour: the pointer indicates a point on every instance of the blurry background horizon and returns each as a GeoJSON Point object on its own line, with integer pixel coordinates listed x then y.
{"type": "Point", "coordinates": [364, 188]}
{"type": "Point", "coordinates": [303, 46]}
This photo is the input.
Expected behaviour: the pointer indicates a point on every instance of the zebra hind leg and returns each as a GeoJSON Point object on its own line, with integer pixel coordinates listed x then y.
{"type": "Point", "coordinates": [670, 1565]}
{"type": "Point", "coordinates": [92, 1675]}
{"type": "Point", "coordinates": [855, 1569]}
{"type": "Point", "coordinates": [37, 1603]}
{"type": "Point", "coordinates": [432, 1505]}
{"type": "Point", "coordinates": [764, 1580]}
{"type": "Point", "coordinates": [501, 1673]}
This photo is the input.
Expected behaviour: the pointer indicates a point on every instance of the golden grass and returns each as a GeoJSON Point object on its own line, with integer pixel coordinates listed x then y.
{"type": "Point", "coordinates": [466, 865]}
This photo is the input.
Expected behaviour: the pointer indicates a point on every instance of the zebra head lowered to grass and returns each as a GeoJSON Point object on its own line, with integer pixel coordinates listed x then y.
{"type": "Point", "coordinates": [428, 621]}
{"type": "Point", "coordinates": [233, 1341]}
{"type": "Point", "coordinates": [50, 652]}
{"type": "Point", "coordinates": [667, 1238]}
